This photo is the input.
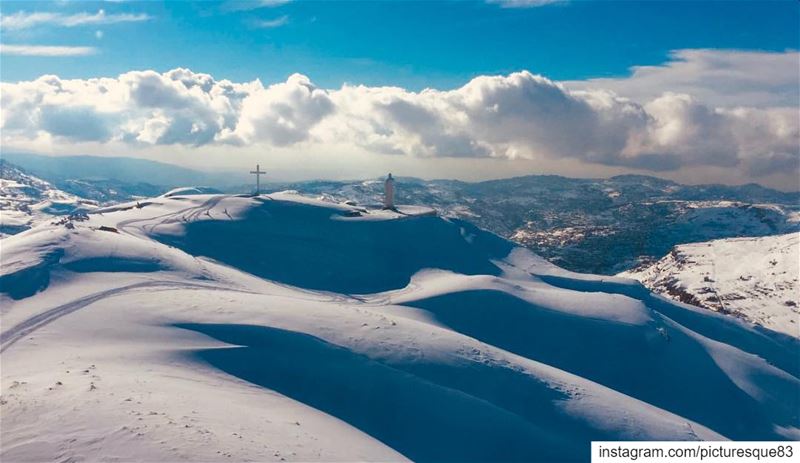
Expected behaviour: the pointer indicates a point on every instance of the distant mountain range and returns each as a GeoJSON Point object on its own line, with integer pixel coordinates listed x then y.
{"type": "Point", "coordinates": [139, 176]}
{"type": "Point", "coordinates": [591, 225]}
{"type": "Point", "coordinates": [25, 200]}
{"type": "Point", "coordinates": [587, 225]}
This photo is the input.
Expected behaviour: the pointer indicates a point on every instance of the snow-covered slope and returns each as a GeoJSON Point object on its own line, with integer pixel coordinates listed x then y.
{"type": "Point", "coordinates": [752, 278]}
{"type": "Point", "coordinates": [271, 328]}
{"type": "Point", "coordinates": [26, 200]}
{"type": "Point", "coordinates": [591, 225]}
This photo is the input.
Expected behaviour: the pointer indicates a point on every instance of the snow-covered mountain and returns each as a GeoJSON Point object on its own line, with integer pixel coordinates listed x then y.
{"type": "Point", "coordinates": [26, 200]}
{"type": "Point", "coordinates": [752, 278]}
{"type": "Point", "coordinates": [592, 225]}
{"type": "Point", "coordinates": [586, 225]}
{"type": "Point", "coordinates": [272, 328]}
{"type": "Point", "coordinates": [133, 176]}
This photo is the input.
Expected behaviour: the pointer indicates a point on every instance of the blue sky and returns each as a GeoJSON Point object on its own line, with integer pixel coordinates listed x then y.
{"type": "Point", "coordinates": [414, 44]}
{"type": "Point", "coordinates": [701, 91]}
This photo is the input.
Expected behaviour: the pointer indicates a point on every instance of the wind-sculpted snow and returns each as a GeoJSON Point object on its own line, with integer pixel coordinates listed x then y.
{"type": "Point", "coordinates": [29, 259]}
{"type": "Point", "coordinates": [187, 191]}
{"type": "Point", "coordinates": [776, 348]}
{"type": "Point", "coordinates": [684, 379]}
{"type": "Point", "coordinates": [348, 251]}
{"type": "Point", "coordinates": [209, 327]}
{"type": "Point", "coordinates": [421, 418]}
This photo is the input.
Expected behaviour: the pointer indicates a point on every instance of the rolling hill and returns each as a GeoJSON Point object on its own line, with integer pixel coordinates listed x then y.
{"type": "Point", "coordinates": [281, 328]}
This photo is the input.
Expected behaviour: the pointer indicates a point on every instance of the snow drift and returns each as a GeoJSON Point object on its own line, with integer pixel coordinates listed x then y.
{"type": "Point", "coordinates": [276, 327]}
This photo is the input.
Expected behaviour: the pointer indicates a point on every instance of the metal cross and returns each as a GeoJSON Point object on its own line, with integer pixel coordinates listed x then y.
{"type": "Point", "coordinates": [258, 173]}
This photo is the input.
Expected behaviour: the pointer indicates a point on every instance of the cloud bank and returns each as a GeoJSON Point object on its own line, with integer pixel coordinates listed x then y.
{"type": "Point", "coordinates": [717, 77]}
{"type": "Point", "coordinates": [515, 116]}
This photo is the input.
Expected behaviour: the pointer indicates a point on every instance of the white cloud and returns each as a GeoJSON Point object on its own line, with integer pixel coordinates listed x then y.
{"type": "Point", "coordinates": [245, 5]}
{"type": "Point", "coordinates": [281, 114]}
{"type": "Point", "coordinates": [25, 20]}
{"type": "Point", "coordinates": [520, 116]}
{"type": "Point", "coordinates": [272, 23]}
{"type": "Point", "coordinates": [45, 50]}
{"type": "Point", "coordinates": [524, 3]}
{"type": "Point", "coordinates": [716, 77]}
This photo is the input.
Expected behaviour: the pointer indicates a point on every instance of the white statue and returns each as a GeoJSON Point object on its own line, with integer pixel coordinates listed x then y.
{"type": "Point", "coordinates": [388, 193]}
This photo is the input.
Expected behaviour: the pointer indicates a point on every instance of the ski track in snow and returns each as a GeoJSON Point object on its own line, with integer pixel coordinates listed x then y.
{"type": "Point", "coordinates": [20, 330]}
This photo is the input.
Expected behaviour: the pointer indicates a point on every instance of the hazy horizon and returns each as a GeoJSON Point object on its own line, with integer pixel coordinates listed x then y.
{"type": "Point", "coordinates": [277, 177]}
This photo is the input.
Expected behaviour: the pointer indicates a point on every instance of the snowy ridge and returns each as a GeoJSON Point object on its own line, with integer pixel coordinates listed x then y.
{"type": "Point", "coordinates": [277, 327]}
{"type": "Point", "coordinates": [193, 190]}
{"type": "Point", "coordinates": [755, 279]}
{"type": "Point", "coordinates": [26, 200]}
{"type": "Point", "coordinates": [591, 225]}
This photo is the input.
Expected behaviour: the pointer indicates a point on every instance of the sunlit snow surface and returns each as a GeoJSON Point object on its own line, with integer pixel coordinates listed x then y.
{"type": "Point", "coordinates": [752, 278]}
{"type": "Point", "coordinates": [270, 328]}
{"type": "Point", "coordinates": [26, 200]}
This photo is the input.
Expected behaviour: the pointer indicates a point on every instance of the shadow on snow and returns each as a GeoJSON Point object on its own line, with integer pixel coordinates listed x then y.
{"type": "Point", "coordinates": [427, 411]}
